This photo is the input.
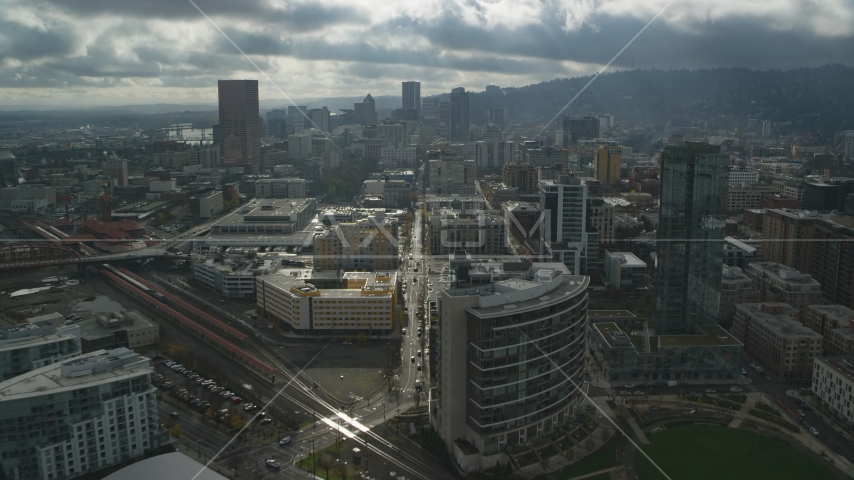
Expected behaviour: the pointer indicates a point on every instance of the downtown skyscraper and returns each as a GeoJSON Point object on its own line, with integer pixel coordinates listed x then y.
{"type": "Point", "coordinates": [412, 97]}
{"type": "Point", "coordinates": [240, 124]}
{"type": "Point", "coordinates": [694, 179]}
{"type": "Point", "coordinates": [458, 115]}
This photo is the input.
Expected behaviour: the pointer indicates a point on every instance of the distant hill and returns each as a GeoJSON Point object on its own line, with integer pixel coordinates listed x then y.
{"type": "Point", "coordinates": [820, 98]}
{"type": "Point", "coordinates": [817, 99]}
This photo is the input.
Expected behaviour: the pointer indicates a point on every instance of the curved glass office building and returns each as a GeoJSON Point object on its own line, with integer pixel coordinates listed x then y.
{"type": "Point", "coordinates": [511, 354]}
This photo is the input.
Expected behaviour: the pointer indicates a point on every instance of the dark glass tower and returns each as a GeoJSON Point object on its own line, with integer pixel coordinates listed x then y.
{"type": "Point", "coordinates": [694, 178]}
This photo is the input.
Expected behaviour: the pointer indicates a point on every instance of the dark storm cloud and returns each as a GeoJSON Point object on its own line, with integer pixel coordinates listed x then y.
{"type": "Point", "coordinates": [28, 43]}
{"type": "Point", "coordinates": [295, 17]}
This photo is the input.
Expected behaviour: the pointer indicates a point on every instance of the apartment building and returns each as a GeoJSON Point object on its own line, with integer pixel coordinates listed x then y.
{"type": "Point", "coordinates": [78, 416]}
{"type": "Point", "coordinates": [784, 237]}
{"type": "Point", "coordinates": [366, 304]}
{"type": "Point", "coordinates": [833, 383]}
{"type": "Point", "coordinates": [835, 323]}
{"type": "Point", "coordinates": [32, 345]}
{"type": "Point", "coordinates": [778, 283]}
{"type": "Point", "coordinates": [281, 188]}
{"type": "Point", "coordinates": [742, 197]}
{"type": "Point", "coordinates": [509, 355]}
{"type": "Point", "coordinates": [483, 233]}
{"type": "Point", "coordinates": [772, 335]}
{"type": "Point", "coordinates": [736, 287]}
{"type": "Point", "coordinates": [370, 243]}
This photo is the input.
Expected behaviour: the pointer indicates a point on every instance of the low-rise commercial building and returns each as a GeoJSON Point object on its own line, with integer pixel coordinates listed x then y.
{"type": "Point", "coordinates": [367, 304]}
{"type": "Point", "coordinates": [773, 336]}
{"type": "Point", "coordinates": [233, 277]}
{"type": "Point", "coordinates": [207, 204]}
{"type": "Point", "coordinates": [624, 272]}
{"type": "Point", "coordinates": [268, 216]}
{"type": "Point", "coordinates": [78, 416]}
{"type": "Point", "coordinates": [128, 329]}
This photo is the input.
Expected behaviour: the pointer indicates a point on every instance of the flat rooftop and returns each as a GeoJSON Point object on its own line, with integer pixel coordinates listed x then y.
{"type": "Point", "coordinates": [91, 328]}
{"type": "Point", "coordinates": [614, 336]}
{"type": "Point", "coordinates": [712, 336]}
{"type": "Point", "coordinates": [610, 313]}
{"type": "Point", "coordinates": [122, 364]}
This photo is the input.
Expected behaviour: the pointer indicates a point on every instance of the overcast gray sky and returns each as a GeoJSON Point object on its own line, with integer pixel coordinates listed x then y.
{"type": "Point", "coordinates": [115, 52]}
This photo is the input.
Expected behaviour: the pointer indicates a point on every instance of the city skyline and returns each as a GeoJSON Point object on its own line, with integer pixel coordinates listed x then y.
{"type": "Point", "coordinates": [118, 54]}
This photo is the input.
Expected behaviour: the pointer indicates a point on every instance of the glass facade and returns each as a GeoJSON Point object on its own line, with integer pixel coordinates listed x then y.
{"type": "Point", "coordinates": [517, 370]}
{"type": "Point", "coordinates": [694, 179]}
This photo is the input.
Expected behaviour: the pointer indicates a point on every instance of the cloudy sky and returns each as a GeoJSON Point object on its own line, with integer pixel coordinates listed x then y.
{"type": "Point", "coordinates": [117, 52]}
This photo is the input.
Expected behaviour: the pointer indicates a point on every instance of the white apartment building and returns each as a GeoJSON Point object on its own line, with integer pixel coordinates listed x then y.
{"type": "Point", "coordinates": [366, 304]}
{"type": "Point", "coordinates": [33, 345]}
{"type": "Point", "coordinates": [299, 147]}
{"type": "Point", "coordinates": [493, 154]}
{"type": "Point", "coordinates": [602, 219]}
{"type": "Point", "coordinates": [206, 157]}
{"type": "Point", "coordinates": [281, 188]}
{"type": "Point", "coordinates": [833, 382]}
{"type": "Point", "coordinates": [78, 416]}
{"type": "Point", "coordinates": [398, 157]}
{"type": "Point", "coordinates": [740, 176]}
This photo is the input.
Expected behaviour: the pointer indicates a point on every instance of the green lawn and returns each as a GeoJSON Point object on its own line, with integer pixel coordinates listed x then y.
{"type": "Point", "coordinates": [604, 457]}
{"type": "Point", "coordinates": [713, 453]}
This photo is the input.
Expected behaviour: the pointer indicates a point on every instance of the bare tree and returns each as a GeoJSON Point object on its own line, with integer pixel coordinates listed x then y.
{"type": "Point", "coordinates": [323, 462]}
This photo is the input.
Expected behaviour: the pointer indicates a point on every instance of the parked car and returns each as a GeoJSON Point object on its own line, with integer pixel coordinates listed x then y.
{"type": "Point", "coordinates": [267, 421]}
{"type": "Point", "coordinates": [272, 463]}
{"type": "Point", "coordinates": [285, 441]}
{"type": "Point", "coordinates": [734, 389]}
{"type": "Point", "coordinates": [174, 415]}
{"type": "Point", "coordinates": [711, 390]}
{"type": "Point", "coordinates": [813, 431]}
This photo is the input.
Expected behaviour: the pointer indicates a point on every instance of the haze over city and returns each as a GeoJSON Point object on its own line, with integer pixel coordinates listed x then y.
{"type": "Point", "coordinates": [90, 53]}
{"type": "Point", "coordinates": [471, 239]}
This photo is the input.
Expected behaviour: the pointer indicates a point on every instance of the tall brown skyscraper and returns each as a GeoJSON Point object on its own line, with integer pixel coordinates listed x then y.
{"type": "Point", "coordinates": [240, 124]}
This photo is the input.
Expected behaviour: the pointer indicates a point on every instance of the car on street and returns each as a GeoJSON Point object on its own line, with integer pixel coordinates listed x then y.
{"type": "Point", "coordinates": [418, 367]}
{"type": "Point", "coordinates": [412, 359]}
{"type": "Point", "coordinates": [813, 431]}
{"type": "Point", "coordinates": [625, 392]}
{"type": "Point", "coordinates": [174, 415]}
{"type": "Point", "coordinates": [273, 464]}
{"type": "Point", "coordinates": [801, 413]}
{"type": "Point", "coordinates": [638, 392]}
{"type": "Point", "coordinates": [743, 371]}
{"type": "Point", "coordinates": [267, 421]}
{"type": "Point", "coordinates": [629, 385]}
{"type": "Point", "coordinates": [285, 441]}
{"type": "Point", "coordinates": [734, 389]}
{"type": "Point", "coordinates": [711, 390]}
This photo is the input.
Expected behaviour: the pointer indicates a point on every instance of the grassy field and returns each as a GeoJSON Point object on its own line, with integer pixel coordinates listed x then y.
{"type": "Point", "coordinates": [604, 457]}
{"type": "Point", "coordinates": [712, 453]}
